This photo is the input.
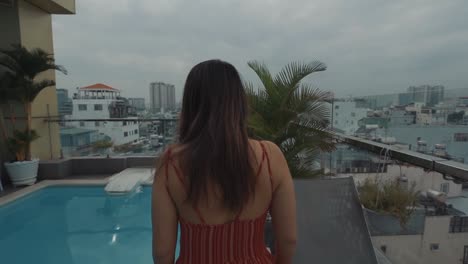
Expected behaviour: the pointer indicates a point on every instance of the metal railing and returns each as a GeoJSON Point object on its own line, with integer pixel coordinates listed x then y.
{"type": "Point", "coordinates": [448, 168]}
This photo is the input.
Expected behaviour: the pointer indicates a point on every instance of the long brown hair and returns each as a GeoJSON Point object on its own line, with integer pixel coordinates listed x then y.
{"type": "Point", "coordinates": [213, 133]}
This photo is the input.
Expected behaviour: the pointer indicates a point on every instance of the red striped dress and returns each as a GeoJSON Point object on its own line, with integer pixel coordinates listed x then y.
{"type": "Point", "coordinates": [239, 241]}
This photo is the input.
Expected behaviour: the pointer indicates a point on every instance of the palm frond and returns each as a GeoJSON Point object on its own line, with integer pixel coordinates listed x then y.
{"type": "Point", "coordinates": [291, 114]}
{"type": "Point", "coordinates": [292, 74]}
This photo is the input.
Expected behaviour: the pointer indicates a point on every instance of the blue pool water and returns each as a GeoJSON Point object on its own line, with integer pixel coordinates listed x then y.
{"type": "Point", "coordinates": [77, 225]}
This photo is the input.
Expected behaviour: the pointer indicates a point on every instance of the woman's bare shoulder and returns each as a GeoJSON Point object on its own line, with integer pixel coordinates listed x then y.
{"type": "Point", "coordinates": [272, 149]}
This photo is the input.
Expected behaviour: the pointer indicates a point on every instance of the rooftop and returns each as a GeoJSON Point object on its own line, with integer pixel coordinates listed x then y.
{"type": "Point", "coordinates": [99, 87]}
{"type": "Point", "coordinates": [75, 131]}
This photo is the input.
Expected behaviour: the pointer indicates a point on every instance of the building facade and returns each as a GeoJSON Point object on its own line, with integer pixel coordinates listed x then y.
{"type": "Point", "coordinates": [64, 103]}
{"type": "Point", "coordinates": [78, 141]}
{"type": "Point", "coordinates": [29, 23]}
{"type": "Point", "coordinates": [137, 103]}
{"type": "Point", "coordinates": [100, 101]}
{"type": "Point", "coordinates": [162, 97]}
{"type": "Point", "coordinates": [398, 117]}
{"type": "Point", "coordinates": [346, 116]}
{"type": "Point", "coordinates": [376, 102]}
{"type": "Point", "coordinates": [430, 95]}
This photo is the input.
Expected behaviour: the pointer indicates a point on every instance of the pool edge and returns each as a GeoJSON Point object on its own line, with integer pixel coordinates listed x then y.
{"type": "Point", "coordinates": [47, 183]}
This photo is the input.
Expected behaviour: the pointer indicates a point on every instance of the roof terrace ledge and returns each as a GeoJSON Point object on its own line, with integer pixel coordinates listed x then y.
{"type": "Point", "coordinates": [446, 167]}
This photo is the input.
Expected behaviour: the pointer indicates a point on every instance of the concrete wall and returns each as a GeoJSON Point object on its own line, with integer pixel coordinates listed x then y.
{"type": "Point", "coordinates": [9, 25]}
{"type": "Point", "coordinates": [36, 32]}
{"type": "Point", "coordinates": [417, 248]}
{"type": "Point", "coordinates": [82, 167]}
{"type": "Point", "coordinates": [451, 245]}
{"type": "Point", "coordinates": [400, 249]}
{"type": "Point", "coordinates": [422, 179]}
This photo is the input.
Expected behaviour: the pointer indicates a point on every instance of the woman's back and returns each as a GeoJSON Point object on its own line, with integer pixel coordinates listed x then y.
{"type": "Point", "coordinates": [211, 207]}
{"type": "Point", "coordinates": [217, 183]}
{"type": "Point", "coordinates": [211, 233]}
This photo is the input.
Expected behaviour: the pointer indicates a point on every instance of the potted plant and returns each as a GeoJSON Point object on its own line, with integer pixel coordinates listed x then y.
{"type": "Point", "coordinates": [19, 68]}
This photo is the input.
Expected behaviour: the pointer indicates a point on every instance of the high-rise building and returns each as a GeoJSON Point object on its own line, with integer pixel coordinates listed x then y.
{"type": "Point", "coordinates": [430, 95]}
{"type": "Point", "coordinates": [138, 103]}
{"type": "Point", "coordinates": [377, 101]}
{"type": "Point", "coordinates": [65, 104]}
{"type": "Point", "coordinates": [162, 97]}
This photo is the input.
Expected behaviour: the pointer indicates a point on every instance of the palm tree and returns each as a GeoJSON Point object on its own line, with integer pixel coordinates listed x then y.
{"type": "Point", "coordinates": [291, 114]}
{"type": "Point", "coordinates": [19, 68]}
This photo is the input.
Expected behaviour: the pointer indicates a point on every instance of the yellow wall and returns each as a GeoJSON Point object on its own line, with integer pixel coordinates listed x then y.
{"type": "Point", "coordinates": [36, 32]}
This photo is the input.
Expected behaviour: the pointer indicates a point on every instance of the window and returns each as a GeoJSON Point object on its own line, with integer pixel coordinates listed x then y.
{"type": "Point", "coordinates": [82, 124]}
{"type": "Point", "coordinates": [136, 131]}
{"type": "Point", "coordinates": [459, 224]}
{"type": "Point", "coordinates": [383, 248]}
{"type": "Point", "coordinates": [465, 255]}
{"type": "Point", "coordinates": [434, 246]}
{"type": "Point", "coordinates": [353, 114]}
{"type": "Point", "coordinates": [444, 187]}
{"type": "Point", "coordinates": [124, 123]}
{"type": "Point", "coordinates": [98, 107]}
{"type": "Point", "coordinates": [460, 137]}
{"type": "Point", "coordinates": [337, 107]}
{"type": "Point", "coordinates": [82, 107]}
{"type": "Point", "coordinates": [97, 123]}
{"type": "Point", "coordinates": [125, 134]}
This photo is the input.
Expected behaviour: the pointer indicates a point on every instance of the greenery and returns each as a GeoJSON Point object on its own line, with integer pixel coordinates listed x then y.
{"type": "Point", "coordinates": [389, 197]}
{"type": "Point", "coordinates": [455, 117]}
{"type": "Point", "coordinates": [291, 114]}
{"type": "Point", "coordinates": [102, 145]}
{"type": "Point", "coordinates": [18, 143]}
{"type": "Point", "coordinates": [19, 69]}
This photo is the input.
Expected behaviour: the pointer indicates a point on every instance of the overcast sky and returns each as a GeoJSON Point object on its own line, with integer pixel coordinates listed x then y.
{"type": "Point", "coordinates": [370, 46]}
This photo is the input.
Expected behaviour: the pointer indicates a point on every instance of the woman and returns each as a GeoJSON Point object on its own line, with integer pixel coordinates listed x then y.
{"type": "Point", "coordinates": [219, 184]}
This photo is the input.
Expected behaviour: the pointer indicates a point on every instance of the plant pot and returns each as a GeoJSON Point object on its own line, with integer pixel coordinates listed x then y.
{"type": "Point", "coordinates": [23, 172]}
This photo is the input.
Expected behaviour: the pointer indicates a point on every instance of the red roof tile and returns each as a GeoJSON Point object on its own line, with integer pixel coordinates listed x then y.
{"type": "Point", "coordinates": [100, 86]}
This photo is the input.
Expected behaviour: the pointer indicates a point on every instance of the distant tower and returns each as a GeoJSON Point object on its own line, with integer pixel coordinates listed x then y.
{"type": "Point", "coordinates": [162, 97]}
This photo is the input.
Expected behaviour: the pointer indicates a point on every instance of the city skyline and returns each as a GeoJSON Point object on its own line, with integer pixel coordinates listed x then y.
{"type": "Point", "coordinates": [369, 47]}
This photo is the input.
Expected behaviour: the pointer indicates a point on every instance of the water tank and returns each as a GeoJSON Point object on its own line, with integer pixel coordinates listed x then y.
{"type": "Point", "coordinates": [388, 140]}
{"type": "Point", "coordinates": [421, 146]}
{"type": "Point", "coordinates": [440, 150]}
{"type": "Point", "coordinates": [369, 127]}
{"type": "Point", "coordinates": [436, 195]}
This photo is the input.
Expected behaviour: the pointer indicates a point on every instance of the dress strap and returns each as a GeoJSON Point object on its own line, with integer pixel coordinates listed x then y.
{"type": "Point", "coordinates": [170, 162]}
{"type": "Point", "coordinates": [268, 164]}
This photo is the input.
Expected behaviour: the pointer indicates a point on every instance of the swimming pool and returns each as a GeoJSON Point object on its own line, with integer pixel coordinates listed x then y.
{"type": "Point", "coordinates": [77, 225]}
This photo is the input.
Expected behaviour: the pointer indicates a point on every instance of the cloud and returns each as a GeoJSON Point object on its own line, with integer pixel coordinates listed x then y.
{"type": "Point", "coordinates": [370, 46]}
